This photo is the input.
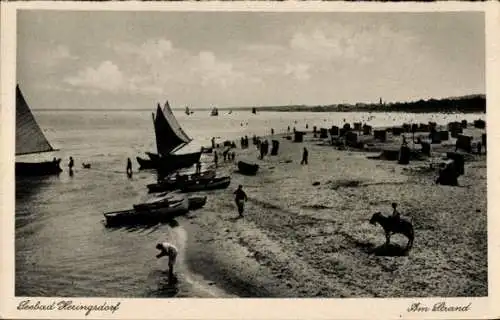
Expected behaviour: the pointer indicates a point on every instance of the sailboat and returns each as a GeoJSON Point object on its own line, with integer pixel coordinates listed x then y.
{"type": "Point", "coordinates": [30, 140]}
{"type": "Point", "coordinates": [170, 138]}
{"type": "Point", "coordinates": [214, 112]}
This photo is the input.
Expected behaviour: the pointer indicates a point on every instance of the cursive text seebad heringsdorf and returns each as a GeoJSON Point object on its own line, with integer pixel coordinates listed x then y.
{"type": "Point", "coordinates": [67, 305]}
{"type": "Point", "coordinates": [438, 307]}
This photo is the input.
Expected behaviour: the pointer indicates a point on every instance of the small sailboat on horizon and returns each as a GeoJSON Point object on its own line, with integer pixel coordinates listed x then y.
{"type": "Point", "coordinates": [214, 112]}
{"type": "Point", "coordinates": [188, 111]}
{"type": "Point", "coordinates": [31, 140]}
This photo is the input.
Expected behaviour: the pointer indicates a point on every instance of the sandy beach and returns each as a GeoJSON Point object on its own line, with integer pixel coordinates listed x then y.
{"type": "Point", "coordinates": [303, 240]}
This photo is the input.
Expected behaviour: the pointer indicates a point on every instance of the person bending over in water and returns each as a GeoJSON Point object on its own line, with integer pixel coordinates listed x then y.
{"type": "Point", "coordinates": [240, 199]}
{"type": "Point", "coordinates": [169, 250]}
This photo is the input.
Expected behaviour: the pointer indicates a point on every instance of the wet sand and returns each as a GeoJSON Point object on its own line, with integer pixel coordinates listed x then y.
{"type": "Point", "coordinates": [303, 240]}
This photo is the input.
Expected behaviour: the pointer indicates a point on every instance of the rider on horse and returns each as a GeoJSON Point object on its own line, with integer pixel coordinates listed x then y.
{"type": "Point", "coordinates": [395, 213]}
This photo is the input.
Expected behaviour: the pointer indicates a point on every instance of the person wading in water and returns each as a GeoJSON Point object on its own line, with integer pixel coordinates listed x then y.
{"type": "Point", "coordinates": [71, 164]}
{"type": "Point", "coordinates": [129, 168]}
{"type": "Point", "coordinates": [169, 250]}
{"type": "Point", "coordinates": [240, 198]}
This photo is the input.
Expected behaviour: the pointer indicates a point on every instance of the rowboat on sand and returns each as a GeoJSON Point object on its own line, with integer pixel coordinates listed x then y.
{"type": "Point", "coordinates": [248, 168]}
{"type": "Point", "coordinates": [216, 183]}
{"type": "Point", "coordinates": [154, 213]}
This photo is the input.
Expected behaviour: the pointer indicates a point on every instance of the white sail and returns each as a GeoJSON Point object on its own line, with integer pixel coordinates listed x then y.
{"type": "Point", "coordinates": [29, 136]}
{"type": "Point", "coordinates": [176, 127]}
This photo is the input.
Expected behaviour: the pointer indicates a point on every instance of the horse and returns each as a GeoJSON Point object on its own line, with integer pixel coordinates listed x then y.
{"type": "Point", "coordinates": [394, 225]}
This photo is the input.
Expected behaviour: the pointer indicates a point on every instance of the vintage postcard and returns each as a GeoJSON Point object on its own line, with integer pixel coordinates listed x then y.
{"type": "Point", "coordinates": [249, 161]}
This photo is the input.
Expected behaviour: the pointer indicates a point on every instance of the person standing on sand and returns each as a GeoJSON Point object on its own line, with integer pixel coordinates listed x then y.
{"type": "Point", "coordinates": [305, 155]}
{"type": "Point", "coordinates": [240, 199]}
{"type": "Point", "coordinates": [198, 167]}
{"type": "Point", "coordinates": [404, 143]}
{"type": "Point", "coordinates": [169, 250]}
{"type": "Point", "coordinates": [216, 158]}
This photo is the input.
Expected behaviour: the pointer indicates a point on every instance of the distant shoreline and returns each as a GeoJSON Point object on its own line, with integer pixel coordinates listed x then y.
{"type": "Point", "coordinates": [278, 109]}
{"type": "Point", "coordinates": [466, 104]}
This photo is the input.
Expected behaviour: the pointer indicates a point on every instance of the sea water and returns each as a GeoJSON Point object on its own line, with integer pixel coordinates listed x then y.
{"type": "Point", "coordinates": [62, 247]}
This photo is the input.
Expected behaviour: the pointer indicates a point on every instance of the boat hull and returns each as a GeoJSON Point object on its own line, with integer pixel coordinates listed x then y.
{"type": "Point", "coordinates": [217, 183]}
{"type": "Point", "coordinates": [146, 163]}
{"type": "Point", "coordinates": [172, 162]}
{"type": "Point", "coordinates": [169, 185]}
{"type": "Point", "coordinates": [169, 163]}
{"type": "Point", "coordinates": [45, 168]}
{"type": "Point", "coordinates": [146, 216]}
{"type": "Point", "coordinates": [153, 156]}
{"type": "Point", "coordinates": [248, 169]}
{"type": "Point", "coordinates": [196, 203]}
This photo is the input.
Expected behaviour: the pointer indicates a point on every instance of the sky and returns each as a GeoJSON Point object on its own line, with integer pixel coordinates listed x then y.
{"type": "Point", "coordinates": [131, 60]}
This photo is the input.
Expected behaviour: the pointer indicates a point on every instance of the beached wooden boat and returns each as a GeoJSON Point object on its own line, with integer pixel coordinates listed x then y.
{"type": "Point", "coordinates": [171, 162]}
{"type": "Point", "coordinates": [172, 183]}
{"type": "Point", "coordinates": [197, 202]}
{"type": "Point", "coordinates": [248, 168]}
{"type": "Point", "coordinates": [30, 140]}
{"type": "Point", "coordinates": [216, 183]}
{"type": "Point", "coordinates": [147, 216]}
{"type": "Point", "coordinates": [159, 202]}
{"type": "Point", "coordinates": [168, 199]}
{"type": "Point", "coordinates": [146, 163]}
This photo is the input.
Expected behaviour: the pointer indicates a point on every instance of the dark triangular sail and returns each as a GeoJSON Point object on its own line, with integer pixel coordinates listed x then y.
{"type": "Point", "coordinates": [29, 136]}
{"type": "Point", "coordinates": [169, 115]}
{"type": "Point", "coordinates": [166, 138]}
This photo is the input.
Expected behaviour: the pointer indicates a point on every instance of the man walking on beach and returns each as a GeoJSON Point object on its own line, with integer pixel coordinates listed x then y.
{"type": "Point", "coordinates": [240, 198]}
{"type": "Point", "coordinates": [216, 158]}
{"type": "Point", "coordinates": [305, 155]}
{"type": "Point", "coordinates": [169, 250]}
